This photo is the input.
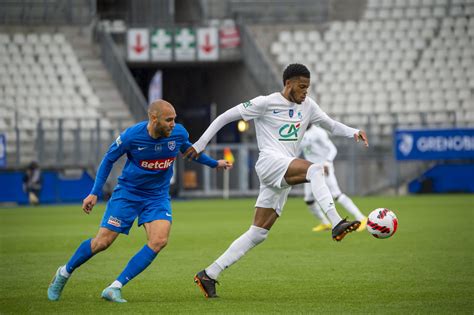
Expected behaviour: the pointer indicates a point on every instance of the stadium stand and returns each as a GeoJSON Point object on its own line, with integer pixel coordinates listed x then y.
{"type": "Point", "coordinates": [54, 89]}
{"type": "Point", "coordinates": [407, 62]}
{"type": "Point", "coordinates": [376, 65]}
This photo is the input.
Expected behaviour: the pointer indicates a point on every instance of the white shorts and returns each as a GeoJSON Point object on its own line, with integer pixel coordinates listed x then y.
{"type": "Point", "coordinates": [271, 169]}
{"type": "Point", "coordinates": [273, 198]}
{"type": "Point", "coordinates": [331, 182]}
{"type": "Point", "coordinates": [273, 188]}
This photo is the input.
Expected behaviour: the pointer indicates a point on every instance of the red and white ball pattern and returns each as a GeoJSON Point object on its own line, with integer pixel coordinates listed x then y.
{"type": "Point", "coordinates": [382, 223]}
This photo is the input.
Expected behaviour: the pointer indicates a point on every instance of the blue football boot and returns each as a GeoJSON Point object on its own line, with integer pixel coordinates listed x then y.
{"type": "Point", "coordinates": [56, 286]}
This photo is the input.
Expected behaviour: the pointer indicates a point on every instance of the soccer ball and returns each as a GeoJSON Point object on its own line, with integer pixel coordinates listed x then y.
{"type": "Point", "coordinates": [382, 223]}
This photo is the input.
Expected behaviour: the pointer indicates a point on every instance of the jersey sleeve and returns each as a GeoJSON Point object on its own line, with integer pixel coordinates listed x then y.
{"type": "Point", "coordinates": [118, 148]}
{"type": "Point", "coordinates": [319, 117]}
{"type": "Point", "coordinates": [223, 119]}
{"type": "Point", "coordinates": [254, 108]}
{"type": "Point", "coordinates": [336, 128]}
{"type": "Point", "coordinates": [202, 159]}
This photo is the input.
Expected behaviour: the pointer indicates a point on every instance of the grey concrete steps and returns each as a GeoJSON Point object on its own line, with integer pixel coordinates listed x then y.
{"type": "Point", "coordinates": [112, 104]}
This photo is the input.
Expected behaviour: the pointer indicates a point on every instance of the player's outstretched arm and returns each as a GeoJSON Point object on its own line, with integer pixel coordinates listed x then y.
{"type": "Point", "coordinates": [88, 203]}
{"type": "Point", "coordinates": [361, 135]}
{"type": "Point", "coordinates": [221, 120]}
{"type": "Point", "coordinates": [224, 165]}
{"type": "Point", "coordinates": [118, 148]}
{"type": "Point", "coordinates": [335, 127]}
{"type": "Point", "coordinates": [204, 158]}
{"type": "Point", "coordinates": [339, 129]}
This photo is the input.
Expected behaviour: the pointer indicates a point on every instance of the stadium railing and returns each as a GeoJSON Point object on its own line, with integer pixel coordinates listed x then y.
{"type": "Point", "coordinates": [258, 63]}
{"type": "Point", "coordinates": [60, 143]}
{"type": "Point", "coordinates": [121, 75]}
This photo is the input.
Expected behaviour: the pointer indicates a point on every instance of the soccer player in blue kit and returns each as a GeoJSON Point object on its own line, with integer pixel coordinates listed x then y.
{"type": "Point", "coordinates": [142, 191]}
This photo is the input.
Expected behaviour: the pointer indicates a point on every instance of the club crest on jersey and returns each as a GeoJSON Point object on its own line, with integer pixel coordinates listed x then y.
{"type": "Point", "coordinates": [289, 132]}
{"type": "Point", "coordinates": [291, 112]}
{"type": "Point", "coordinates": [300, 116]}
{"type": "Point", "coordinates": [171, 145]}
{"type": "Point", "coordinates": [158, 147]}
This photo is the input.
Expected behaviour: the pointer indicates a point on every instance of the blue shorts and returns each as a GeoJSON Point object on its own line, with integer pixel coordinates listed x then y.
{"type": "Point", "coordinates": [124, 207]}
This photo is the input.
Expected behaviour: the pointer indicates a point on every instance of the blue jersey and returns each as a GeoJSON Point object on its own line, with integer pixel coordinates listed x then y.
{"type": "Point", "coordinates": [149, 165]}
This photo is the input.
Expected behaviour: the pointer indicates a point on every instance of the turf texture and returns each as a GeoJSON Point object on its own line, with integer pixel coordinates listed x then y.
{"type": "Point", "coordinates": [426, 267]}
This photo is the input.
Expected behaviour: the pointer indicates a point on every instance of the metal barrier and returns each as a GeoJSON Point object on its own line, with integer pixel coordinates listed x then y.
{"type": "Point", "coordinates": [63, 143]}
{"type": "Point", "coordinates": [59, 143]}
{"type": "Point", "coordinates": [351, 167]}
{"type": "Point", "coordinates": [120, 73]}
{"type": "Point", "coordinates": [210, 183]}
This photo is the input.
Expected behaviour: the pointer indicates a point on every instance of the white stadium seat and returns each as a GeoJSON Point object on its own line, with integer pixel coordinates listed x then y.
{"type": "Point", "coordinates": [402, 56]}
{"type": "Point", "coordinates": [299, 37]}
{"type": "Point", "coordinates": [284, 36]}
{"type": "Point", "coordinates": [4, 38]}
{"type": "Point", "coordinates": [370, 14]}
{"type": "Point", "coordinates": [19, 38]}
{"type": "Point", "coordinates": [276, 48]}
{"type": "Point", "coordinates": [439, 11]}
{"type": "Point", "coordinates": [314, 36]}
{"type": "Point", "coordinates": [414, 3]}
{"type": "Point", "coordinates": [39, 81]}
{"type": "Point", "coordinates": [45, 38]}
{"type": "Point", "coordinates": [456, 11]}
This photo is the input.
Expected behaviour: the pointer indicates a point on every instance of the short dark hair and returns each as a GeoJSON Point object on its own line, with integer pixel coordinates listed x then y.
{"type": "Point", "coordinates": [295, 70]}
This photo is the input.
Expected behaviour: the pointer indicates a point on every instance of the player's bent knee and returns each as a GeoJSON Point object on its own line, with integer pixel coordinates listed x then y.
{"type": "Point", "coordinates": [158, 244]}
{"type": "Point", "coordinates": [257, 234]}
{"type": "Point", "coordinates": [314, 171]}
{"type": "Point", "coordinates": [100, 244]}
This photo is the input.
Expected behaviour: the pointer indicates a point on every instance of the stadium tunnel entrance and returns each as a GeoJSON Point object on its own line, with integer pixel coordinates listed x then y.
{"type": "Point", "coordinates": [192, 88]}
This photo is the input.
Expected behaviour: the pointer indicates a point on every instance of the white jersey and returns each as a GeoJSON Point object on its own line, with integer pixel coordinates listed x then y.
{"type": "Point", "coordinates": [317, 147]}
{"type": "Point", "coordinates": [280, 124]}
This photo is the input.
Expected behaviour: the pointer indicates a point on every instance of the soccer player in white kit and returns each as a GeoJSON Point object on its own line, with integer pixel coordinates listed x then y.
{"type": "Point", "coordinates": [280, 120]}
{"type": "Point", "coordinates": [319, 149]}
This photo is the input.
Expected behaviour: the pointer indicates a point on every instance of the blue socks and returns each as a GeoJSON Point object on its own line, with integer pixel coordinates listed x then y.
{"type": "Point", "coordinates": [82, 254]}
{"type": "Point", "coordinates": [137, 264]}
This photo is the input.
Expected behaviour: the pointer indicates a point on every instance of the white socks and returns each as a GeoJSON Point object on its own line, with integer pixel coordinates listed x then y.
{"type": "Point", "coordinates": [214, 270]}
{"type": "Point", "coordinates": [318, 213]}
{"type": "Point", "coordinates": [63, 272]}
{"type": "Point", "coordinates": [254, 236]}
{"type": "Point", "coordinates": [321, 192]}
{"type": "Point", "coordinates": [349, 205]}
{"type": "Point", "coordinates": [116, 284]}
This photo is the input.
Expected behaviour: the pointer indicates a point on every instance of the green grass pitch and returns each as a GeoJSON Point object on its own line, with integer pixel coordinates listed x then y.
{"type": "Point", "coordinates": [426, 267]}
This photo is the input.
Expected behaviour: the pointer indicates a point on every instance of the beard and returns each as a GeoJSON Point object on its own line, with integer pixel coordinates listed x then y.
{"type": "Point", "coordinates": [165, 132]}
{"type": "Point", "coordinates": [293, 97]}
